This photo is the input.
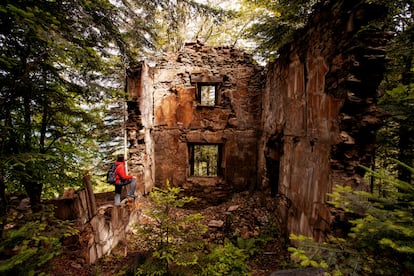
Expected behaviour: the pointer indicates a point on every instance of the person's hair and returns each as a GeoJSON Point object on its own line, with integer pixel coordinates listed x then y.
{"type": "Point", "coordinates": [120, 158]}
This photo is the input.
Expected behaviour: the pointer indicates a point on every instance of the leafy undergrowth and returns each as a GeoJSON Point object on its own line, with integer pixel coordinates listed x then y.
{"type": "Point", "coordinates": [250, 227]}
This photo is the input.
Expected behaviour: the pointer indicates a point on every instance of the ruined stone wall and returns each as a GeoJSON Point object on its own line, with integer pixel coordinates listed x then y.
{"type": "Point", "coordinates": [175, 118]}
{"type": "Point", "coordinates": [100, 227]}
{"type": "Point", "coordinates": [139, 126]}
{"type": "Point", "coordinates": [306, 129]}
{"type": "Point", "coordinates": [319, 113]}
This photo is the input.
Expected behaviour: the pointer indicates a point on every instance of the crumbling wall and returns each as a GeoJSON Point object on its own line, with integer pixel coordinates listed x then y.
{"type": "Point", "coordinates": [175, 118]}
{"type": "Point", "coordinates": [101, 227]}
{"type": "Point", "coordinates": [319, 113]}
{"type": "Point", "coordinates": [139, 126]}
{"type": "Point", "coordinates": [306, 129]}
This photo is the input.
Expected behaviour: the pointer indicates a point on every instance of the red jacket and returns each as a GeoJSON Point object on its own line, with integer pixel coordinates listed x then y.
{"type": "Point", "coordinates": [120, 172]}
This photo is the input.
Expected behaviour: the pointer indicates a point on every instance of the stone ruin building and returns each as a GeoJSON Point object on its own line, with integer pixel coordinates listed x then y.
{"type": "Point", "coordinates": [194, 120]}
{"type": "Point", "coordinates": [212, 121]}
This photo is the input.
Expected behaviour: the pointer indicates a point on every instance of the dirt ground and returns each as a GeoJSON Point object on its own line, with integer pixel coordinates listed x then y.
{"type": "Point", "coordinates": [252, 215]}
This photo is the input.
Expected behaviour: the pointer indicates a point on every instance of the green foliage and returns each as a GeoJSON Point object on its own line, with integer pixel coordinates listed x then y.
{"type": "Point", "coordinates": [62, 64]}
{"type": "Point", "coordinates": [184, 21]}
{"type": "Point", "coordinates": [173, 238]}
{"type": "Point", "coordinates": [54, 68]}
{"type": "Point", "coordinates": [173, 241]}
{"type": "Point", "coordinates": [253, 246]}
{"type": "Point", "coordinates": [226, 259]}
{"type": "Point", "coordinates": [381, 240]}
{"type": "Point", "coordinates": [273, 23]}
{"type": "Point", "coordinates": [335, 256]}
{"type": "Point", "coordinates": [32, 241]}
{"type": "Point", "coordinates": [336, 197]}
{"type": "Point", "coordinates": [396, 137]}
{"type": "Point", "coordinates": [250, 246]}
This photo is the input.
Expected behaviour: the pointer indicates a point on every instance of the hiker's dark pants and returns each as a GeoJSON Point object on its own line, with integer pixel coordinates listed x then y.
{"type": "Point", "coordinates": [118, 187]}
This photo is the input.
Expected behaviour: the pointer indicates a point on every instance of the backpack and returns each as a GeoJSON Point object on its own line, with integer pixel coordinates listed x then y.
{"type": "Point", "coordinates": [111, 175]}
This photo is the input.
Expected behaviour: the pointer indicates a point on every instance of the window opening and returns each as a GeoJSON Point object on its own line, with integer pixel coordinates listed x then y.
{"type": "Point", "coordinates": [205, 159]}
{"type": "Point", "coordinates": [207, 94]}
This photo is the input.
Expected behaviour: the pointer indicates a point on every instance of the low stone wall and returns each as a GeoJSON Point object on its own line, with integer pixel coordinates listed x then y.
{"type": "Point", "coordinates": [105, 230]}
{"type": "Point", "coordinates": [102, 230]}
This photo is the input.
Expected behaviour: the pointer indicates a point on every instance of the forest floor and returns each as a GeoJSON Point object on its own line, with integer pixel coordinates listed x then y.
{"type": "Point", "coordinates": [252, 216]}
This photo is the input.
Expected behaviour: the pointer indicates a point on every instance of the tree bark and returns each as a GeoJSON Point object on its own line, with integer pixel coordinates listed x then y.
{"type": "Point", "coordinates": [405, 145]}
{"type": "Point", "coordinates": [90, 195]}
{"type": "Point", "coordinates": [405, 153]}
{"type": "Point", "coordinates": [34, 191]}
{"type": "Point", "coordinates": [3, 204]}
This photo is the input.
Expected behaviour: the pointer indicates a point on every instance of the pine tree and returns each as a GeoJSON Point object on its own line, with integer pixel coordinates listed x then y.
{"type": "Point", "coordinates": [61, 62]}
{"type": "Point", "coordinates": [396, 137]}
{"type": "Point", "coordinates": [173, 239]}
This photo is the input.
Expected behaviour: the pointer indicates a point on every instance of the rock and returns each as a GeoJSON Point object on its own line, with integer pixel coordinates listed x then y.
{"type": "Point", "coordinates": [346, 138]}
{"type": "Point", "coordinates": [233, 208]}
{"type": "Point", "coordinates": [76, 265]}
{"type": "Point", "coordinates": [24, 204]}
{"type": "Point", "coordinates": [216, 223]}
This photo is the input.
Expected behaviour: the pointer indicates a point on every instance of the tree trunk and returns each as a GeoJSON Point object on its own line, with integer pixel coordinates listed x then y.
{"type": "Point", "coordinates": [3, 204]}
{"type": "Point", "coordinates": [34, 191]}
{"type": "Point", "coordinates": [405, 153]}
{"type": "Point", "coordinates": [32, 186]}
{"type": "Point", "coordinates": [406, 143]}
{"type": "Point", "coordinates": [90, 195]}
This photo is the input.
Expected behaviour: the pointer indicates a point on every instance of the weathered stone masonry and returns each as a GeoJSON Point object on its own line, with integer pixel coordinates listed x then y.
{"type": "Point", "coordinates": [319, 113]}
{"type": "Point", "coordinates": [299, 127]}
{"type": "Point", "coordinates": [167, 116]}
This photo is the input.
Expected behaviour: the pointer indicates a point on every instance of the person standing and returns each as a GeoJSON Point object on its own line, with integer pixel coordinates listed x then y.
{"type": "Point", "coordinates": [123, 179]}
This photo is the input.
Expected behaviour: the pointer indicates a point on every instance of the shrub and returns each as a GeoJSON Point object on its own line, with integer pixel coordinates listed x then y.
{"type": "Point", "coordinates": [174, 240]}
{"type": "Point", "coordinates": [32, 241]}
{"type": "Point", "coordinates": [225, 259]}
